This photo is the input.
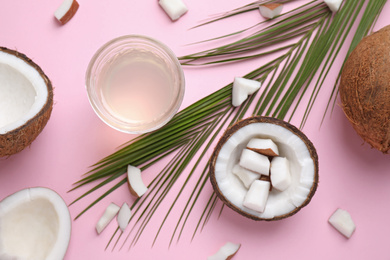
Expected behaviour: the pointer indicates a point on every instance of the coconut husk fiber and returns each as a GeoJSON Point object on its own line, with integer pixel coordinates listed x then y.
{"type": "Point", "coordinates": [365, 89]}
{"type": "Point", "coordinates": [17, 139]}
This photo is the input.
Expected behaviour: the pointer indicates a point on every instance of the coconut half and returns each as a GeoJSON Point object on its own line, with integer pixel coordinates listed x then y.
{"type": "Point", "coordinates": [292, 144]}
{"type": "Point", "coordinates": [26, 101]}
{"type": "Point", "coordinates": [34, 224]}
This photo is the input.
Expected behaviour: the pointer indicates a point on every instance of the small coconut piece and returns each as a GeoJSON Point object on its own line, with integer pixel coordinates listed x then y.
{"type": "Point", "coordinates": [280, 173]}
{"type": "Point", "coordinates": [334, 5]}
{"type": "Point", "coordinates": [226, 252]}
{"type": "Point", "coordinates": [270, 10]}
{"type": "Point", "coordinates": [108, 215]}
{"type": "Point", "coordinates": [26, 101]}
{"type": "Point", "coordinates": [66, 11]}
{"type": "Point", "coordinates": [264, 146]}
{"type": "Point", "coordinates": [255, 162]}
{"type": "Point", "coordinates": [257, 196]}
{"type": "Point", "coordinates": [34, 224]}
{"type": "Point", "coordinates": [246, 176]}
{"type": "Point", "coordinates": [136, 185]}
{"type": "Point", "coordinates": [174, 8]}
{"type": "Point", "coordinates": [242, 88]}
{"type": "Point", "coordinates": [342, 221]}
{"type": "Point", "coordinates": [124, 216]}
{"type": "Point", "coordinates": [292, 144]}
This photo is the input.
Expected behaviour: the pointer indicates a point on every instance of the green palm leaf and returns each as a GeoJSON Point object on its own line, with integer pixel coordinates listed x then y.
{"type": "Point", "coordinates": [307, 39]}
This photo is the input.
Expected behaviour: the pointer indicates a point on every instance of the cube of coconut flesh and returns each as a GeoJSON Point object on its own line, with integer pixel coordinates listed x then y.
{"type": "Point", "coordinates": [255, 162]}
{"type": "Point", "coordinates": [247, 177]}
{"type": "Point", "coordinates": [341, 220]}
{"type": "Point", "coordinates": [227, 251]}
{"type": "Point", "coordinates": [264, 146]}
{"type": "Point", "coordinates": [124, 216]}
{"type": "Point", "coordinates": [291, 143]}
{"type": "Point", "coordinates": [334, 5]}
{"type": "Point", "coordinates": [271, 10]}
{"type": "Point", "coordinates": [242, 88]}
{"type": "Point", "coordinates": [280, 173]}
{"type": "Point", "coordinates": [257, 195]}
{"type": "Point", "coordinates": [136, 185]}
{"type": "Point", "coordinates": [174, 8]}
{"type": "Point", "coordinates": [66, 11]}
{"type": "Point", "coordinates": [108, 215]}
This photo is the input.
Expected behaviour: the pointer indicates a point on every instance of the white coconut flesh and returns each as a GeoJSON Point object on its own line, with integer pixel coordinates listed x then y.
{"type": "Point", "coordinates": [136, 184]}
{"type": "Point", "coordinates": [23, 92]}
{"type": "Point", "coordinates": [227, 251]}
{"type": "Point", "coordinates": [34, 224]}
{"type": "Point", "coordinates": [290, 146]}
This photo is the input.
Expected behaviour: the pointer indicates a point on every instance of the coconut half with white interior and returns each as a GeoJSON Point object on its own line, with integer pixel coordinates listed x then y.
{"type": "Point", "coordinates": [276, 204]}
{"type": "Point", "coordinates": [26, 101]}
{"type": "Point", "coordinates": [34, 224]}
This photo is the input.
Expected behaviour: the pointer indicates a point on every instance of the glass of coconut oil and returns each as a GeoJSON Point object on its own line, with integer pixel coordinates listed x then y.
{"type": "Point", "coordinates": [135, 84]}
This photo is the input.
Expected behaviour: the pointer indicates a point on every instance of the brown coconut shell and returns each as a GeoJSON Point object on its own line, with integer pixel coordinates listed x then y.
{"type": "Point", "coordinates": [260, 119]}
{"type": "Point", "coordinates": [70, 13]}
{"type": "Point", "coordinates": [365, 89]}
{"type": "Point", "coordinates": [17, 139]}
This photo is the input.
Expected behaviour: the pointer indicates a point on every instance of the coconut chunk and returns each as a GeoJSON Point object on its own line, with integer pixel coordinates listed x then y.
{"type": "Point", "coordinates": [226, 252]}
{"type": "Point", "coordinates": [174, 8]}
{"type": "Point", "coordinates": [66, 11]}
{"type": "Point", "coordinates": [34, 224]}
{"type": "Point", "coordinates": [242, 88]}
{"type": "Point", "coordinates": [271, 10]}
{"type": "Point", "coordinates": [255, 162]}
{"type": "Point", "coordinates": [136, 185]}
{"type": "Point", "coordinates": [108, 215]}
{"type": "Point", "coordinates": [257, 195]}
{"type": "Point", "coordinates": [124, 216]}
{"type": "Point", "coordinates": [334, 5]}
{"type": "Point", "coordinates": [246, 176]}
{"type": "Point", "coordinates": [263, 146]}
{"type": "Point", "coordinates": [341, 220]}
{"type": "Point", "coordinates": [280, 173]}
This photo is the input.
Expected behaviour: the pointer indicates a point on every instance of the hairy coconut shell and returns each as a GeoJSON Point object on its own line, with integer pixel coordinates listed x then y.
{"type": "Point", "coordinates": [365, 89]}
{"type": "Point", "coordinates": [17, 139]}
{"type": "Point", "coordinates": [260, 119]}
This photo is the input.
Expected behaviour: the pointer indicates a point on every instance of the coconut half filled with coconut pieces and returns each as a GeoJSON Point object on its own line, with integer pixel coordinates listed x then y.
{"type": "Point", "coordinates": [34, 224]}
{"type": "Point", "coordinates": [26, 101]}
{"type": "Point", "coordinates": [260, 200]}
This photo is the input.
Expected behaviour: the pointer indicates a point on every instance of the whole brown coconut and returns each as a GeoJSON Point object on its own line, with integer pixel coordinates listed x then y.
{"type": "Point", "coordinates": [365, 89]}
{"type": "Point", "coordinates": [15, 135]}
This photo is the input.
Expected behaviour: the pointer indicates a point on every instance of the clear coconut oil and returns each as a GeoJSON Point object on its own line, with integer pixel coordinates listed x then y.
{"type": "Point", "coordinates": [135, 84]}
{"type": "Point", "coordinates": [137, 87]}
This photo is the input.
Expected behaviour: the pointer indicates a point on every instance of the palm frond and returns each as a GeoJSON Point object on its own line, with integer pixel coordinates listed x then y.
{"type": "Point", "coordinates": [307, 40]}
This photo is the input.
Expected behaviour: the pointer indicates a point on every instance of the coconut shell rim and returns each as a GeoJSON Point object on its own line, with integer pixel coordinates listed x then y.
{"type": "Point", "coordinates": [44, 112]}
{"type": "Point", "coordinates": [263, 119]}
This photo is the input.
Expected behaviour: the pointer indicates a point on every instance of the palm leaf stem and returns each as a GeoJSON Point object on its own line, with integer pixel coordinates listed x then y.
{"type": "Point", "coordinates": [275, 97]}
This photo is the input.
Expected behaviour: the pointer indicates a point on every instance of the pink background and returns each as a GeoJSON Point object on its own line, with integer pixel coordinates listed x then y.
{"type": "Point", "coordinates": [352, 175]}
